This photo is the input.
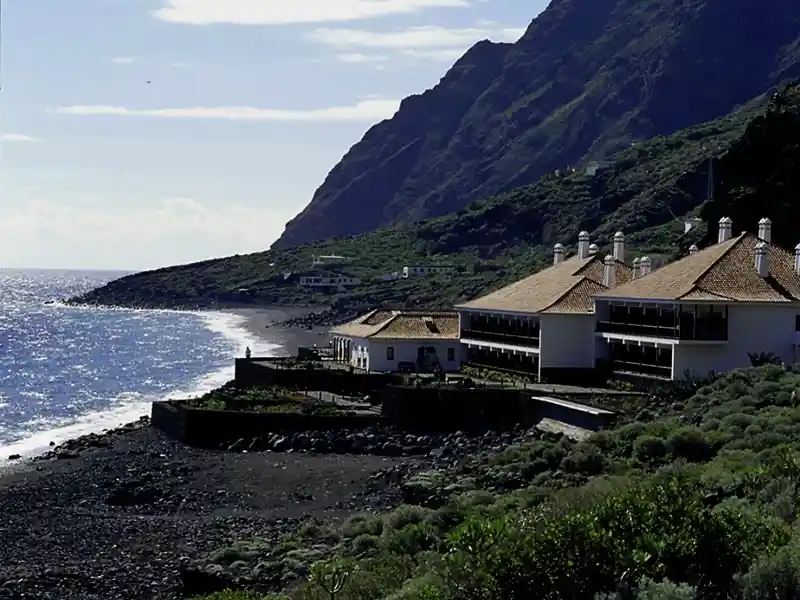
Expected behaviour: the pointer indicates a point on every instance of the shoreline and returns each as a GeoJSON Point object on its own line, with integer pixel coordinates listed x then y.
{"type": "Point", "coordinates": [283, 341]}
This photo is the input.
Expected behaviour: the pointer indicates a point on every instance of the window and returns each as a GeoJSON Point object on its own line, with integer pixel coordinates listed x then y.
{"type": "Point", "coordinates": [451, 354]}
{"type": "Point", "coordinates": [797, 323]}
{"type": "Point", "coordinates": [390, 353]}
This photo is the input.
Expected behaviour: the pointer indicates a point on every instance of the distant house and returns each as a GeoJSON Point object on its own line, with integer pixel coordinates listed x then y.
{"type": "Point", "coordinates": [544, 324]}
{"type": "Point", "coordinates": [328, 260]}
{"type": "Point", "coordinates": [327, 281]}
{"type": "Point", "coordinates": [397, 340]}
{"type": "Point", "coordinates": [417, 270]}
{"type": "Point", "coordinates": [594, 167]}
{"type": "Point", "coordinates": [706, 312]}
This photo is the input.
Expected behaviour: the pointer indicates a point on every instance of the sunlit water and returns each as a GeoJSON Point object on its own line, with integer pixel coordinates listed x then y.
{"type": "Point", "coordinates": [68, 371]}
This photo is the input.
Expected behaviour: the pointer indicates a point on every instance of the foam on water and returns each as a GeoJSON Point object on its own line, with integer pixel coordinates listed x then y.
{"type": "Point", "coordinates": [130, 406]}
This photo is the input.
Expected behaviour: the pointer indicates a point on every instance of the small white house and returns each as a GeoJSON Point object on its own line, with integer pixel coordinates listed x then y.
{"type": "Point", "coordinates": [399, 340]}
{"type": "Point", "coordinates": [327, 281]}
{"type": "Point", "coordinates": [544, 325]}
{"type": "Point", "coordinates": [328, 260]}
{"type": "Point", "coordinates": [418, 270]}
{"type": "Point", "coordinates": [706, 313]}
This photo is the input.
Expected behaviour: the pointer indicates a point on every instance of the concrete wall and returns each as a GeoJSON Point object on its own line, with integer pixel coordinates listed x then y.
{"type": "Point", "coordinates": [751, 328]}
{"type": "Point", "coordinates": [406, 351]}
{"type": "Point", "coordinates": [567, 341]}
{"type": "Point", "coordinates": [210, 428]}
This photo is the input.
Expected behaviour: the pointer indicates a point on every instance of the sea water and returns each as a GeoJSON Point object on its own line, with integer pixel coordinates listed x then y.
{"type": "Point", "coordinates": [67, 371]}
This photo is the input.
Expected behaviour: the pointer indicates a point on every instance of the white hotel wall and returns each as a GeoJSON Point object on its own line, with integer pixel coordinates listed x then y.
{"type": "Point", "coordinates": [406, 351]}
{"type": "Point", "coordinates": [751, 328]}
{"type": "Point", "coordinates": [567, 341]}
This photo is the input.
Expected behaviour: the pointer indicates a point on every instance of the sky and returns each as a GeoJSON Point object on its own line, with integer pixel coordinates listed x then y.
{"type": "Point", "coordinates": [136, 134]}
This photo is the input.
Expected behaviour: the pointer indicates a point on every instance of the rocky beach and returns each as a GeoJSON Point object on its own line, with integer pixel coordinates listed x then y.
{"type": "Point", "coordinates": [117, 515]}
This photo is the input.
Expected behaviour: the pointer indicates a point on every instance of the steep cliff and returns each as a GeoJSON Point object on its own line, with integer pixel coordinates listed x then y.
{"type": "Point", "coordinates": [588, 78]}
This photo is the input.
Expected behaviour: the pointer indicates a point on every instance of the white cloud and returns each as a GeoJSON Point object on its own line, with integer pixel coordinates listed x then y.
{"type": "Point", "coordinates": [414, 38]}
{"type": "Point", "coordinates": [275, 12]}
{"type": "Point", "coordinates": [359, 59]}
{"type": "Point", "coordinates": [429, 42]}
{"type": "Point", "coordinates": [18, 137]}
{"type": "Point", "coordinates": [178, 230]}
{"type": "Point", "coordinates": [124, 60]}
{"type": "Point", "coordinates": [366, 110]}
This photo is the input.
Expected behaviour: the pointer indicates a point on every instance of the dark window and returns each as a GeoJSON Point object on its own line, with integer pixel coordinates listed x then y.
{"type": "Point", "coordinates": [451, 354]}
{"type": "Point", "coordinates": [390, 353]}
{"type": "Point", "coordinates": [797, 323]}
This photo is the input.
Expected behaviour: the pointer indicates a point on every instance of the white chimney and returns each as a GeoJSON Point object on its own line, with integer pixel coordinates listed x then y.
{"type": "Point", "coordinates": [609, 271]}
{"type": "Point", "coordinates": [637, 267]}
{"type": "Point", "coordinates": [725, 229]}
{"type": "Point", "coordinates": [593, 249]}
{"type": "Point", "coordinates": [583, 244]}
{"type": "Point", "coordinates": [762, 265]}
{"type": "Point", "coordinates": [619, 246]}
{"type": "Point", "coordinates": [558, 254]}
{"type": "Point", "coordinates": [693, 249]}
{"type": "Point", "coordinates": [645, 268]}
{"type": "Point", "coordinates": [765, 230]}
{"type": "Point", "coordinates": [797, 259]}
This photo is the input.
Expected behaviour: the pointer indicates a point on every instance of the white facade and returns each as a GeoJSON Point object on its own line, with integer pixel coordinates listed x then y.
{"type": "Point", "coordinates": [752, 328]}
{"type": "Point", "coordinates": [417, 270]}
{"type": "Point", "coordinates": [567, 341]}
{"type": "Point", "coordinates": [382, 355]}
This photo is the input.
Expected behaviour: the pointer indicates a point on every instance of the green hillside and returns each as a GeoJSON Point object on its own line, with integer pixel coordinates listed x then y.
{"type": "Point", "coordinates": [644, 191]}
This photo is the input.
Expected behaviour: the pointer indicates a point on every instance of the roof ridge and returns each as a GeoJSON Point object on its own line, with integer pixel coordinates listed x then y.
{"type": "Point", "coordinates": [386, 323]}
{"type": "Point", "coordinates": [736, 241]}
{"type": "Point", "coordinates": [581, 279]}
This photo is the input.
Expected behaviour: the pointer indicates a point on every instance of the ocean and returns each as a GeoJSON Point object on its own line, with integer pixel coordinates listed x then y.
{"type": "Point", "coordinates": [68, 371]}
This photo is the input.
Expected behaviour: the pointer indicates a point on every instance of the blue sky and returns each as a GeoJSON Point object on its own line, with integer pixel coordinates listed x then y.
{"type": "Point", "coordinates": [140, 133]}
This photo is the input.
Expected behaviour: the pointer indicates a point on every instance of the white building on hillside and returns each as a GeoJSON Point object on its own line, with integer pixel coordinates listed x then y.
{"type": "Point", "coordinates": [327, 281]}
{"type": "Point", "coordinates": [544, 324]}
{"type": "Point", "coordinates": [399, 340]}
{"type": "Point", "coordinates": [417, 270]}
{"type": "Point", "coordinates": [707, 312]}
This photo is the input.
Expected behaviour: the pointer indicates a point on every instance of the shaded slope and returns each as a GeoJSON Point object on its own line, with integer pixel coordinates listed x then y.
{"type": "Point", "coordinates": [642, 191]}
{"type": "Point", "coordinates": [586, 79]}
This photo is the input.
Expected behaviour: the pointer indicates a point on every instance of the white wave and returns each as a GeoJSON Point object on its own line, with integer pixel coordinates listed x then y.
{"type": "Point", "coordinates": [130, 406]}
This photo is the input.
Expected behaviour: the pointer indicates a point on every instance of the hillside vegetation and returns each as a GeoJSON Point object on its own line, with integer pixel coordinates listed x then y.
{"type": "Point", "coordinates": [693, 497]}
{"type": "Point", "coordinates": [643, 191]}
{"type": "Point", "coordinates": [586, 80]}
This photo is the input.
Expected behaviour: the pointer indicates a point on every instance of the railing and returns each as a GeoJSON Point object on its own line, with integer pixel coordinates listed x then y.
{"type": "Point", "coordinates": [501, 338]}
{"type": "Point", "coordinates": [638, 368]}
{"type": "Point", "coordinates": [714, 330]}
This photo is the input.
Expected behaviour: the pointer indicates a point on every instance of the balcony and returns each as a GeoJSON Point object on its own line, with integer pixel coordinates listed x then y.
{"type": "Point", "coordinates": [509, 339]}
{"type": "Point", "coordinates": [687, 328]}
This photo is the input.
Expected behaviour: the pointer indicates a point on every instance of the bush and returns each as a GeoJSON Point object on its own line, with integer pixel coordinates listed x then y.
{"type": "Point", "coordinates": [648, 448]}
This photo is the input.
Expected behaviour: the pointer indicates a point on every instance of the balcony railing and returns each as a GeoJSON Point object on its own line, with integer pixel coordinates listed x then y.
{"type": "Point", "coordinates": [713, 330]}
{"type": "Point", "coordinates": [640, 368]}
{"type": "Point", "coordinates": [500, 338]}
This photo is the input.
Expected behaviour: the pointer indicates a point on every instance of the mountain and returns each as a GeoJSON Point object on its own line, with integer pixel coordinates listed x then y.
{"type": "Point", "coordinates": [588, 78]}
{"type": "Point", "coordinates": [644, 190]}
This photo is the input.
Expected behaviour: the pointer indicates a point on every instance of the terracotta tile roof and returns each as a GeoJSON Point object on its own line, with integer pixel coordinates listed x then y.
{"type": "Point", "coordinates": [558, 288]}
{"type": "Point", "coordinates": [580, 299]}
{"type": "Point", "coordinates": [723, 271]}
{"type": "Point", "coordinates": [402, 325]}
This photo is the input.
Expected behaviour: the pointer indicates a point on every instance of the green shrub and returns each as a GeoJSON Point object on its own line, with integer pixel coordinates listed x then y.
{"type": "Point", "coordinates": [648, 448]}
